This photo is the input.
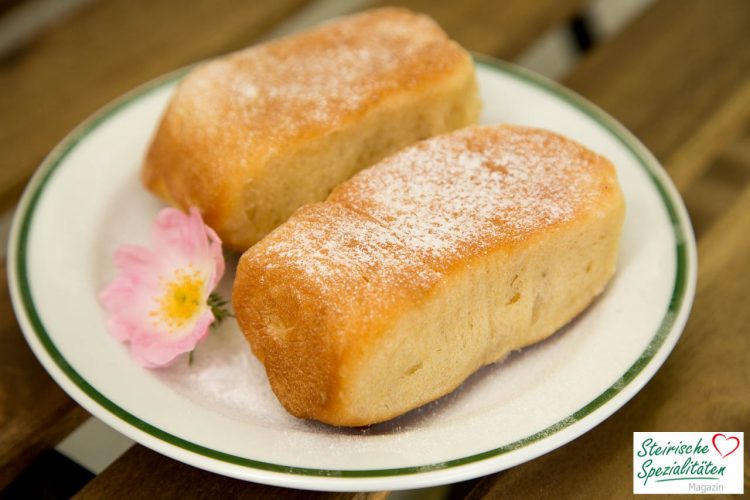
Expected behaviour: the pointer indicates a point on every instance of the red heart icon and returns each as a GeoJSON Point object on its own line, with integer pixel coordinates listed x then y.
{"type": "Point", "coordinates": [724, 442]}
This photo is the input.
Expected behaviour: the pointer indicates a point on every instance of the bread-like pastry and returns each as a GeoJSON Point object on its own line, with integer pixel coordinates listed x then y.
{"type": "Point", "coordinates": [252, 136]}
{"type": "Point", "coordinates": [419, 270]}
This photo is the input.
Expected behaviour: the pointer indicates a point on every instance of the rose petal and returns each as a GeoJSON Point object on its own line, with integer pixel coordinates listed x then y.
{"type": "Point", "coordinates": [117, 295]}
{"type": "Point", "coordinates": [135, 260]}
{"type": "Point", "coordinates": [119, 329]}
{"type": "Point", "coordinates": [179, 234]}
{"type": "Point", "coordinates": [155, 349]}
{"type": "Point", "coordinates": [218, 256]}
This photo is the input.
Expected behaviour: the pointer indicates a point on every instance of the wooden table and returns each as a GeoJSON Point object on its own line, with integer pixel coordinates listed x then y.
{"type": "Point", "coordinates": [678, 76]}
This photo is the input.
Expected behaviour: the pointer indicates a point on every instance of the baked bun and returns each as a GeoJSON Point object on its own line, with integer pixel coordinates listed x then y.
{"type": "Point", "coordinates": [250, 137]}
{"type": "Point", "coordinates": [419, 270]}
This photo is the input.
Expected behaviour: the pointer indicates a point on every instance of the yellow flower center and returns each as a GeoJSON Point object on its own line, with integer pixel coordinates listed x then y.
{"type": "Point", "coordinates": [181, 299]}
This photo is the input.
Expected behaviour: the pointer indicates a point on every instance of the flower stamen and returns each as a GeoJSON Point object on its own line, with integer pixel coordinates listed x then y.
{"type": "Point", "coordinates": [181, 299]}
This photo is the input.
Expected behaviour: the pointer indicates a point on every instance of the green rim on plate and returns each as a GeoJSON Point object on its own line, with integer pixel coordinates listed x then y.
{"type": "Point", "coordinates": [50, 165]}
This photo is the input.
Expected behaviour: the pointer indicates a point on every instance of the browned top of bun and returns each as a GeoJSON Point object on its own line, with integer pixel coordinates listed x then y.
{"type": "Point", "coordinates": [236, 112]}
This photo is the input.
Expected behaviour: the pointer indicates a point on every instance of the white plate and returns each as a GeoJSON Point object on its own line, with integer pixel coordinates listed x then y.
{"type": "Point", "coordinates": [219, 414]}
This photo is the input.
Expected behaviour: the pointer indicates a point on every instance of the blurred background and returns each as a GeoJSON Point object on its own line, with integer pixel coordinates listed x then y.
{"type": "Point", "coordinates": [60, 60]}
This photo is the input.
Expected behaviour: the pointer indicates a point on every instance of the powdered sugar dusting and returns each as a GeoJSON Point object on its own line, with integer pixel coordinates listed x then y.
{"type": "Point", "coordinates": [401, 223]}
{"type": "Point", "coordinates": [333, 248]}
{"type": "Point", "coordinates": [470, 190]}
{"type": "Point", "coordinates": [316, 80]}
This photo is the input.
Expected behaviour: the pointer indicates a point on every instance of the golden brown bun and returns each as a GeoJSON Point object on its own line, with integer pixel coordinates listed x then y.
{"type": "Point", "coordinates": [252, 136]}
{"type": "Point", "coordinates": [419, 270]}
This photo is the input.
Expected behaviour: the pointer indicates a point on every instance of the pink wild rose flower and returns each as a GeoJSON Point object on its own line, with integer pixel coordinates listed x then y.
{"type": "Point", "coordinates": [161, 301]}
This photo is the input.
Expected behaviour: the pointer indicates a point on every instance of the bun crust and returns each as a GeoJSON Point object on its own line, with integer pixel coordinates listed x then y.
{"type": "Point", "coordinates": [421, 269]}
{"type": "Point", "coordinates": [252, 136]}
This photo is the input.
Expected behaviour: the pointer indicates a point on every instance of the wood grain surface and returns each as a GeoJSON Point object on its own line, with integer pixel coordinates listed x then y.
{"type": "Point", "coordinates": [720, 186]}
{"type": "Point", "coordinates": [167, 479]}
{"type": "Point", "coordinates": [678, 78]}
{"type": "Point", "coordinates": [500, 29]}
